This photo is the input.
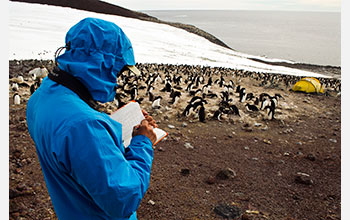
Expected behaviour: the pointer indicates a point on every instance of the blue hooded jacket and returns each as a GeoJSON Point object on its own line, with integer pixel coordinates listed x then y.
{"type": "Point", "coordinates": [88, 172]}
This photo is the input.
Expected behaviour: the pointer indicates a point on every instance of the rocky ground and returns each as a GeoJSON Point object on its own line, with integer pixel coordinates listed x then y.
{"type": "Point", "coordinates": [238, 168]}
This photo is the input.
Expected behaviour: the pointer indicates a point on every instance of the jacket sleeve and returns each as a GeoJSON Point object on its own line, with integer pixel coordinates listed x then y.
{"type": "Point", "coordinates": [114, 179]}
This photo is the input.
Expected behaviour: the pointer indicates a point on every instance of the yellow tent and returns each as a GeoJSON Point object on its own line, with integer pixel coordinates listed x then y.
{"type": "Point", "coordinates": [308, 85]}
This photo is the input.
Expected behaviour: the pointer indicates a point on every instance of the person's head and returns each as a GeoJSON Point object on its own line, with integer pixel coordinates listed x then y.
{"type": "Point", "coordinates": [96, 51]}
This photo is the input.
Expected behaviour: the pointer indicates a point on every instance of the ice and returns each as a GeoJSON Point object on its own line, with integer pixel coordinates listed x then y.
{"type": "Point", "coordinates": [36, 31]}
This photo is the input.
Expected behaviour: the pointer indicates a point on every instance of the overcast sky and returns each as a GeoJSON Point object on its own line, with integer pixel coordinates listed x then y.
{"type": "Point", "coordinates": [294, 5]}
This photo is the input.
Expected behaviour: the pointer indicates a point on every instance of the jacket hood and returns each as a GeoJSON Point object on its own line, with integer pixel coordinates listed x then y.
{"type": "Point", "coordinates": [96, 52]}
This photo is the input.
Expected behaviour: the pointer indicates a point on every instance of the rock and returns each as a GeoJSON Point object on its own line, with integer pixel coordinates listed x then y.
{"type": "Point", "coordinates": [188, 145]}
{"type": "Point", "coordinates": [21, 187]}
{"type": "Point", "coordinates": [210, 180]}
{"type": "Point", "coordinates": [245, 217]}
{"type": "Point", "coordinates": [160, 149]}
{"type": "Point", "coordinates": [151, 202]}
{"type": "Point", "coordinates": [228, 211]}
{"type": "Point", "coordinates": [184, 125]}
{"type": "Point", "coordinates": [333, 140]}
{"type": "Point", "coordinates": [226, 174]}
{"type": "Point", "coordinates": [310, 157]}
{"type": "Point", "coordinates": [267, 141]}
{"type": "Point", "coordinates": [185, 172]}
{"type": "Point", "coordinates": [303, 178]}
{"type": "Point", "coordinates": [171, 126]}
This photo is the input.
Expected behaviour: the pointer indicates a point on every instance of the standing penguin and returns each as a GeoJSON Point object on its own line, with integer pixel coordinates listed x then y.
{"type": "Point", "coordinates": [156, 102]}
{"type": "Point", "coordinates": [175, 95]}
{"type": "Point", "coordinates": [16, 99]}
{"type": "Point", "coordinates": [242, 95]}
{"type": "Point", "coordinates": [201, 114]}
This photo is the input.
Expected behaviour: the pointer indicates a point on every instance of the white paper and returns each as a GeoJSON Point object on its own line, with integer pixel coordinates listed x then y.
{"type": "Point", "coordinates": [129, 116]}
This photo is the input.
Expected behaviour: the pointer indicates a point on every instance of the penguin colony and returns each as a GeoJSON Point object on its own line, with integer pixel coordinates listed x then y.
{"type": "Point", "coordinates": [200, 93]}
{"type": "Point", "coordinates": [192, 92]}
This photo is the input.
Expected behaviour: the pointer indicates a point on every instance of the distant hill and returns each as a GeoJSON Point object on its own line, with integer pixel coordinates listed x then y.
{"type": "Point", "coordinates": [107, 8]}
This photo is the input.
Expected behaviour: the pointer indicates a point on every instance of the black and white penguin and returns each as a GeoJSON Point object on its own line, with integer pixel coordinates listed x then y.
{"type": "Point", "coordinates": [133, 93]}
{"type": "Point", "coordinates": [250, 96]}
{"type": "Point", "coordinates": [218, 113]}
{"type": "Point", "coordinates": [256, 102]}
{"type": "Point", "coordinates": [16, 99]}
{"type": "Point", "coordinates": [270, 112]}
{"type": "Point", "coordinates": [150, 96]}
{"type": "Point", "coordinates": [251, 108]}
{"type": "Point", "coordinates": [167, 87]}
{"type": "Point", "coordinates": [201, 114]}
{"type": "Point", "coordinates": [14, 87]}
{"type": "Point", "coordinates": [156, 102]}
{"type": "Point", "coordinates": [187, 110]}
{"type": "Point", "coordinates": [175, 96]}
{"type": "Point", "coordinates": [234, 110]}
{"type": "Point", "coordinates": [195, 92]}
{"type": "Point", "coordinates": [242, 95]}
{"type": "Point", "coordinates": [264, 102]}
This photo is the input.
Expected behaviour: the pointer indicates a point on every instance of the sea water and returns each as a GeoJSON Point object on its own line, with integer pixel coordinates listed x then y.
{"type": "Point", "coordinates": [303, 37]}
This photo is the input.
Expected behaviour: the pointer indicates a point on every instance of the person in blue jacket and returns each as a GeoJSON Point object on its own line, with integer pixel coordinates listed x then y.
{"type": "Point", "coordinates": [88, 172]}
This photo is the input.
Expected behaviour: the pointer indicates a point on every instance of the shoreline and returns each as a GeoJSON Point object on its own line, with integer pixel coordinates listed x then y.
{"type": "Point", "coordinates": [106, 8]}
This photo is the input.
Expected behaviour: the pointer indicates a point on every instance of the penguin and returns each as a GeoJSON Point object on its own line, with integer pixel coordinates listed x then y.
{"type": "Point", "coordinates": [156, 102]}
{"type": "Point", "coordinates": [14, 87]}
{"type": "Point", "coordinates": [271, 112]}
{"type": "Point", "coordinates": [149, 89]}
{"type": "Point", "coordinates": [242, 95]}
{"type": "Point", "coordinates": [252, 108]}
{"type": "Point", "coordinates": [201, 114]}
{"type": "Point", "coordinates": [194, 92]}
{"type": "Point", "coordinates": [218, 113]}
{"type": "Point", "coordinates": [264, 102]}
{"type": "Point", "coordinates": [187, 110]}
{"type": "Point", "coordinates": [133, 93]}
{"type": "Point", "coordinates": [234, 110]}
{"type": "Point", "coordinates": [117, 101]}
{"type": "Point", "coordinates": [16, 99]}
{"type": "Point", "coordinates": [238, 88]}
{"type": "Point", "coordinates": [167, 87]}
{"type": "Point", "coordinates": [175, 95]}
{"type": "Point", "coordinates": [250, 96]}
{"type": "Point", "coordinates": [256, 102]}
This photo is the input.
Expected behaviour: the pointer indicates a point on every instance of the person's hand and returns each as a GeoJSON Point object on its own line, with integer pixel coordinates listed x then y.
{"type": "Point", "coordinates": [145, 128]}
{"type": "Point", "coordinates": [150, 120]}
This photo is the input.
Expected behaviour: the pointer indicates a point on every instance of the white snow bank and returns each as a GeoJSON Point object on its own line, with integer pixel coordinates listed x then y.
{"type": "Point", "coordinates": [36, 31]}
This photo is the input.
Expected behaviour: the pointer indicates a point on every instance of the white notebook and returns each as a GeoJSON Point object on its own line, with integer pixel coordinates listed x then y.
{"type": "Point", "coordinates": [129, 116]}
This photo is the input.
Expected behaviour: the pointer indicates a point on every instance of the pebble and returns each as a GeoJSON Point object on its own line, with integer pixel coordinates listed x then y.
{"type": "Point", "coordinates": [171, 126]}
{"type": "Point", "coordinates": [210, 180]}
{"type": "Point", "coordinates": [228, 211]}
{"type": "Point", "coordinates": [303, 178]}
{"type": "Point", "coordinates": [311, 157]}
{"type": "Point", "coordinates": [266, 141]}
{"type": "Point", "coordinates": [188, 145]}
{"type": "Point", "coordinates": [185, 172]}
{"type": "Point", "coordinates": [225, 174]}
{"type": "Point", "coordinates": [333, 140]}
{"type": "Point", "coordinates": [151, 202]}
{"type": "Point", "coordinates": [184, 125]}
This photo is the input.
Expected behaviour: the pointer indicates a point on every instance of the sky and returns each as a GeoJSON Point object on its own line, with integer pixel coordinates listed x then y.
{"type": "Point", "coordinates": [280, 5]}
